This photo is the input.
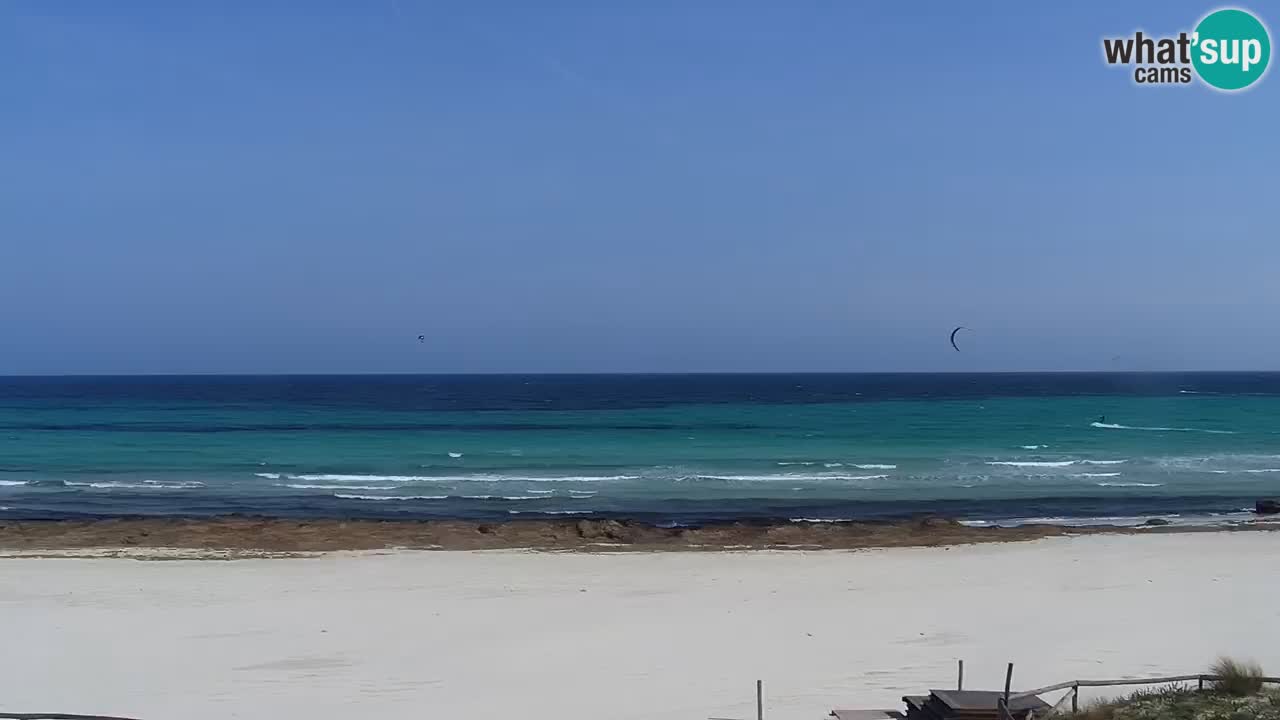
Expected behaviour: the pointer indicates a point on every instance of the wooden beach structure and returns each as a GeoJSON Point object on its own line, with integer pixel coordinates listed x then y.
{"type": "Point", "coordinates": [971, 705]}
{"type": "Point", "coordinates": [955, 705]}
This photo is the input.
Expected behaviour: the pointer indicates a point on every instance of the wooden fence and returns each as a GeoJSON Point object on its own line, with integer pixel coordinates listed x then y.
{"type": "Point", "coordinates": [1074, 686]}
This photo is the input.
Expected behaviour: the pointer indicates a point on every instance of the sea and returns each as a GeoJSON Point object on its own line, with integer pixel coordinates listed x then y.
{"type": "Point", "coordinates": [1007, 449]}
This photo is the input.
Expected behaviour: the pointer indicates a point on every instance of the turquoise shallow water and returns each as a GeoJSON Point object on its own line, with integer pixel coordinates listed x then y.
{"type": "Point", "coordinates": [661, 448]}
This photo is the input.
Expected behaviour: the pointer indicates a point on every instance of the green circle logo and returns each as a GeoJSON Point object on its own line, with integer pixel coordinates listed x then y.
{"type": "Point", "coordinates": [1232, 49]}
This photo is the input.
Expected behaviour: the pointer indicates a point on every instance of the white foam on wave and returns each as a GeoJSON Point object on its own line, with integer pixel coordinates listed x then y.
{"type": "Point", "coordinates": [834, 465]}
{"type": "Point", "coordinates": [1115, 426]}
{"type": "Point", "coordinates": [1103, 462]}
{"type": "Point", "coordinates": [1097, 475]}
{"type": "Point", "coordinates": [268, 476]}
{"type": "Point", "coordinates": [875, 466]}
{"type": "Point", "coordinates": [498, 497]}
{"type": "Point", "coordinates": [1120, 520]}
{"type": "Point", "coordinates": [1033, 447]}
{"type": "Point", "coordinates": [339, 478]}
{"type": "Point", "coordinates": [788, 478]}
{"type": "Point", "coordinates": [139, 486]}
{"type": "Point", "coordinates": [571, 478]}
{"type": "Point", "coordinates": [1032, 463]}
{"type": "Point", "coordinates": [343, 479]}
{"type": "Point", "coordinates": [455, 454]}
{"type": "Point", "coordinates": [550, 512]}
{"type": "Point", "coordinates": [798, 463]}
{"type": "Point", "coordinates": [347, 496]}
{"type": "Point", "coordinates": [12, 483]}
{"type": "Point", "coordinates": [1264, 470]}
{"type": "Point", "coordinates": [309, 486]}
{"type": "Point", "coordinates": [390, 497]}
{"type": "Point", "coordinates": [542, 492]}
{"type": "Point", "coordinates": [1128, 484]}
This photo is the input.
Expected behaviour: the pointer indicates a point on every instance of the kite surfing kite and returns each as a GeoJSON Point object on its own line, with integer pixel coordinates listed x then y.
{"type": "Point", "coordinates": [422, 338]}
{"type": "Point", "coordinates": [953, 337]}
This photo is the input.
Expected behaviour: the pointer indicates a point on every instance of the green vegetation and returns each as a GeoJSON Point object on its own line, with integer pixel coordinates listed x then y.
{"type": "Point", "coordinates": [1238, 695]}
{"type": "Point", "coordinates": [1237, 678]}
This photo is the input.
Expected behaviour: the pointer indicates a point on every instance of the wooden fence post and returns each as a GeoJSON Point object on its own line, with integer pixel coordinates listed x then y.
{"type": "Point", "coordinates": [960, 677]}
{"type": "Point", "coordinates": [759, 700]}
{"type": "Point", "coordinates": [1008, 680]}
{"type": "Point", "coordinates": [1075, 699]}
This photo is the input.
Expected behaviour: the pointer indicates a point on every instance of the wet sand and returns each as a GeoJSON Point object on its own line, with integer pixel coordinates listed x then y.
{"type": "Point", "coordinates": [275, 535]}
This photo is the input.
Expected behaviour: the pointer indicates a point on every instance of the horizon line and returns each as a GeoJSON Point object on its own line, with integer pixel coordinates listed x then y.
{"type": "Point", "coordinates": [642, 373]}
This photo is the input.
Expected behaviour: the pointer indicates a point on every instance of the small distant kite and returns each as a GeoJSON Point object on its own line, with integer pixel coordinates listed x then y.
{"type": "Point", "coordinates": [953, 337]}
{"type": "Point", "coordinates": [422, 338]}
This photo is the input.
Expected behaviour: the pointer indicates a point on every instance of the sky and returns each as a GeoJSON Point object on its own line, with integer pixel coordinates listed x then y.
{"type": "Point", "coordinates": [276, 187]}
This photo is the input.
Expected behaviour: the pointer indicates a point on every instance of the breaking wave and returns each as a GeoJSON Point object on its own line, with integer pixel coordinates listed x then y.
{"type": "Point", "coordinates": [310, 486]}
{"type": "Point", "coordinates": [405, 479]}
{"type": "Point", "coordinates": [1032, 463]}
{"type": "Point", "coordinates": [390, 497]}
{"type": "Point", "coordinates": [788, 478]}
{"type": "Point", "coordinates": [145, 485]}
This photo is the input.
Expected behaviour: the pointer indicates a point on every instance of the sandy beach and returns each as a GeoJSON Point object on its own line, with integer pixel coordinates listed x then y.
{"type": "Point", "coordinates": [623, 635]}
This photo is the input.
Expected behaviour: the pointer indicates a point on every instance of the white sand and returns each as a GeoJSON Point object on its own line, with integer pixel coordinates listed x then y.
{"type": "Point", "coordinates": [568, 636]}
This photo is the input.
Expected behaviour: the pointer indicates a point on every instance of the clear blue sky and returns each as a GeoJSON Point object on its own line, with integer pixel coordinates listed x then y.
{"type": "Point", "coordinates": [648, 186]}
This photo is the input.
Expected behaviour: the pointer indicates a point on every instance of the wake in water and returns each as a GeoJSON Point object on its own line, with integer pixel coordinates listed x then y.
{"type": "Point", "coordinates": [1115, 426]}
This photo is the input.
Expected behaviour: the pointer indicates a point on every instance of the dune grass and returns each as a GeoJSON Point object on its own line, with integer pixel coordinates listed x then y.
{"type": "Point", "coordinates": [1239, 694]}
{"type": "Point", "coordinates": [1238, 678]}
{"type": "Point", "coordinates": [1110, 709]}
